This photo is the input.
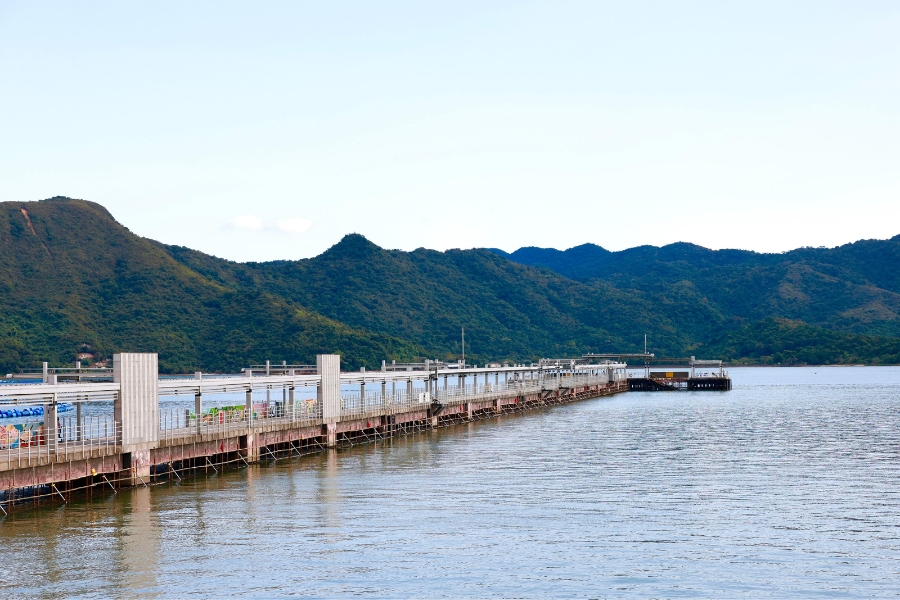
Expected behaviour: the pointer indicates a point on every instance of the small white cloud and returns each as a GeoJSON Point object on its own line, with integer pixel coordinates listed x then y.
{"type": "Point", "coordinates": [293, 225]}
{"type": "Point", "coordinates": [250, 222]}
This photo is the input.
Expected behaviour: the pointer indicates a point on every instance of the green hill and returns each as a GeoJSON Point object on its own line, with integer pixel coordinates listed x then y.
{"type": "Point", "coordinates": [73, 280]}
{"type": "Point", "coordinates": [853, 288]}
{"type": "Point", "coordinates": [510, 312]}
{"type": "Point", "coordinates": [780, 341]}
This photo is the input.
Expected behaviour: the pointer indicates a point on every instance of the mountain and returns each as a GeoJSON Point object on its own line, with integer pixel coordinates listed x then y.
{"type": "Point", "coordinates": [74, 281]}
{"type": "Point", "coordinates": [853, 288]}
{"type": "Point", "coordinates": [510, 312]}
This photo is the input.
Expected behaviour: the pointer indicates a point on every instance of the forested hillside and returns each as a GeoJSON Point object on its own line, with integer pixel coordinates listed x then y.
{"type": "Point", "coordinates": [852, 288]}
{"type": "Point", "coordinates": [73, 280]}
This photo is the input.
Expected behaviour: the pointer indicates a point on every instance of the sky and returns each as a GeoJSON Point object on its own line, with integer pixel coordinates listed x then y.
{"type": "Point", "coordinates": [262, 131]}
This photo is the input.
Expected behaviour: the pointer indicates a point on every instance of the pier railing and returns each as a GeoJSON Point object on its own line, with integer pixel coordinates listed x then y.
{"type": "Point", "coordinates": [178, 423]}
{"type": "Point", "coordinates": [40, 445]}
{"type": "Point", "coordinates": [355, 405]}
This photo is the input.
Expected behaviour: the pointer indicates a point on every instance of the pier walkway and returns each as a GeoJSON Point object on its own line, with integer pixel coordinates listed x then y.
{"type": "Point", "coordinates": [140, 441]}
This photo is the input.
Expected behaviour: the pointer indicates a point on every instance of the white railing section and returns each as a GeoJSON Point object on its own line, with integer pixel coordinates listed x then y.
{"type": "Point", "coordinates": [178, 423]}
{"type": "Point", "coordinates": [354, 406]}
{"type": "Point", "coordinates": [36, 442]}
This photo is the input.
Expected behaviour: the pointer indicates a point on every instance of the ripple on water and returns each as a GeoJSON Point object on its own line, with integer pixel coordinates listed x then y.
{"type": "Point", "coordinates": [784, 487]}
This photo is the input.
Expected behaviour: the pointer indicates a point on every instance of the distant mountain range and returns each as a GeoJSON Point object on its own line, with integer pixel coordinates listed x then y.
{"type": "Point", "coordinates": [74, 281]}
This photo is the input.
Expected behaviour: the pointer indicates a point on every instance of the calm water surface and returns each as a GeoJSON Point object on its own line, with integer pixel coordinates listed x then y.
{"type": "Point", "coordinates": [785, 487]}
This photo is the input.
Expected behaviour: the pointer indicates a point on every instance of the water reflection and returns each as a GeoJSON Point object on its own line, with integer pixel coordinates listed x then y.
{"type": "Point", "coordinates": [140, 545]}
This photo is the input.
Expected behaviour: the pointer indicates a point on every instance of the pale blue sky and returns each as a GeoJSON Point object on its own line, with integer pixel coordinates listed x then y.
{"type": "Point", "coordinates": [258, 131]}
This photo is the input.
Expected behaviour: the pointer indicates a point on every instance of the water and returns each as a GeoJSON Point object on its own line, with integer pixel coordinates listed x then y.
{"type": "Point", "coordinates": [784, 487]}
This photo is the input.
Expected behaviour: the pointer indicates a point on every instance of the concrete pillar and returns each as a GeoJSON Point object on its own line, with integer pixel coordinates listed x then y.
{"type": "Point", "coordinates": [198, 410]}
{"type": "Point", "coordinates": [79, 426]}
{"type": "Point", "coordinates": [136, 409]}
{"type": "Point", "coordinates": [384, 399]}
{"type": "Point", "coordinates": [291, 404]}
{"type": "Point", "coordinates": [409, 391]}
{"type": "Point", "coordinates": [51, 425]}
{"type": "Point", "coordinates": [252, 449]}
{"type": "Point", "coordinates": [329, 431]}
{"type": "Point", "coordinates": [198, 402]}
{"type": "Point", "coordinates": [328, 367]}
{"type": "Point", "coordinates": [362, 394]}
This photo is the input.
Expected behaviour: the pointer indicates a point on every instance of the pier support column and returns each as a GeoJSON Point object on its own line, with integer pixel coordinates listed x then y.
{"type": "Point", "coordinates": [252, 449]}
{"type": "Point", "coordinates": [329, 432]}
{"type": "Point", "coordinates": [469, 411]}
{"type": "Point", "coordinates": [136, 411]}
{"type": "Point", "coordinates": [328, 367]}
{"type": "Point", "coordinates": [51, 426]}
{"type": "Point", "coordinates": [79, 426]}
{"type": "Point", "coordinates": [198, 410]}
{"type": "Point", "coordinates": [290, 410]}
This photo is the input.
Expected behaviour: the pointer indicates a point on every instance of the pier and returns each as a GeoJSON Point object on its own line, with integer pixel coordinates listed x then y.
{"type": "Point", "coordinates": [697, 375]}
{"type": "Point", "coordinates": [306, 408]}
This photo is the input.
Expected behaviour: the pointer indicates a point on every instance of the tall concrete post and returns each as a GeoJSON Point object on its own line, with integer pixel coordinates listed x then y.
{"type": "Point", "coordinates": [252, 450]}
{"type": "Point", "coordinates": [328, 366]}
{"type": "Point", "coordinates": [51, 425]}
{"type": "Point", "coordinates": [79, 426]}
{"type": "Point", "coordinates": [136, 409]}
{"type": "Point", "coordinates": [198, 403]}
{"type": "Point", "coordinates": [291, 411]}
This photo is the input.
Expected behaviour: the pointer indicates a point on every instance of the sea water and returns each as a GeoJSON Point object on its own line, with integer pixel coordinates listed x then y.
{"type": "Point", "coordinates": [785, 487]}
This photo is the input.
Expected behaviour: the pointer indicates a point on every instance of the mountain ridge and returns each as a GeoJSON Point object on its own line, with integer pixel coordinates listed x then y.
{"type": "Point", "coordinates": [73, 280]}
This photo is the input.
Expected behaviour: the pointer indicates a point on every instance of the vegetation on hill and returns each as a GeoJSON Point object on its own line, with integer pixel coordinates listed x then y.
{"type": "Point", "coordinates": [73, 280]}
{"type": "Point", "coordinates": [852, 288]}
{"type": "Point", "coordinates": [781, 341]}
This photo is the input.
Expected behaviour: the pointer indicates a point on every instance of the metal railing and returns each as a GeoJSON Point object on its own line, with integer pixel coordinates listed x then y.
{"type": "Point", "coordinates": [178, 423]}
{"type": "Point", "coordinates": [354, 405]}
{"type": "Point", "coordinates": [486, 391]}
{"type": "Point", "coordinates": [374, 404]}
{"type": "Point", "coordinates": [37, 442]}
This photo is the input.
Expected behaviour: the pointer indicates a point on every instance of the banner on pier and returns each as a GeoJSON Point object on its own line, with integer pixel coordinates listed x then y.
{"type": "Point", "coordinates": [21, 435]}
